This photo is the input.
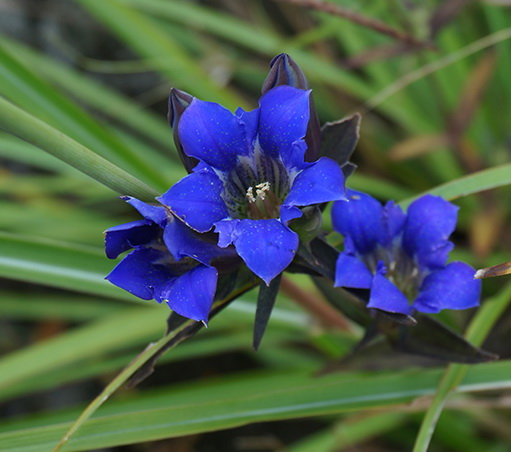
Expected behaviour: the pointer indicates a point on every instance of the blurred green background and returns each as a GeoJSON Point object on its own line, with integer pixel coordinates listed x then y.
{"type": "Point", "coordinates": [431, 80]}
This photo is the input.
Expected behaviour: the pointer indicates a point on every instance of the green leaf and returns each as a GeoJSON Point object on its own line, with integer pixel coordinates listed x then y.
{"type": "Point", "coordinates": [57, 264]}
{"type": "Point", "coordinates": [25, 88]}
{"type": "Point", "coordinates": [431, 338]}
{"type": "Point", "coordinates": [223, 404]}
{"type": "Point", "coordinates": [20, 123]}
{"type": "Point", "coordinates": [147, 37]}
{"type": "Point", "coordinates": [339, 138]}
{"type": "Point", "coordinates": [488, 179]}
{"type": "Point", "coordinates": [95, 94]}
{"type": "Point", "coordinates": [112, 332]}
{"type": "Point", "coordinates": [265, 302]}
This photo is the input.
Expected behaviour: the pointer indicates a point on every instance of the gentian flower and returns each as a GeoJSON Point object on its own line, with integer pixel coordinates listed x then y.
{"type": "Point", "coordinates": [252, 177]}
{"type": "Point", "coordinates": [169, 262]}
{"type": "Point", "coordinates": [402, 258]}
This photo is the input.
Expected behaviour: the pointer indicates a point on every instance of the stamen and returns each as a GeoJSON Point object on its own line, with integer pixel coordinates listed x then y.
{"type": "Point", "coordinates": [250, 195]}
{"type": "Point", "coordinates": [261, 190]}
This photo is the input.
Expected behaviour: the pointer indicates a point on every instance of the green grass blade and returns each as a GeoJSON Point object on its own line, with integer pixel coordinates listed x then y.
{"type": "Point", "coordinates": [479, 328]}
{"type": "Point", "coordinates": [97, 95]}
{"type": "Point", "coordinates": [20, 123]}
{"type": "Point", "coordinates": [147, 37]}
{"type": "Point", "coordinates": [225, 404]}
{"type": "Point", "coordinates": [473, 183]}
{"type": "Point", "coordinates": [112, 332]}
{"type": "Point", "coordinates": [25, 88]}
{"type": "Point", "coordinates": [57, 264]}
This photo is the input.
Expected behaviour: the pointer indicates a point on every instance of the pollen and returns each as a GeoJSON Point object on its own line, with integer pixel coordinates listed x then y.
{"type": "Point", "coordinates": [260, 191]}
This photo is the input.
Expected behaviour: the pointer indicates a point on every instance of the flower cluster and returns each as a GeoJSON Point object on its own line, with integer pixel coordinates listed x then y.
{"type": "Point", "coordinates": [402, 257]}
{"type": "Point", "coordinates": [252, 176]}
{"type": "Point", "coordinates": [256, 180]}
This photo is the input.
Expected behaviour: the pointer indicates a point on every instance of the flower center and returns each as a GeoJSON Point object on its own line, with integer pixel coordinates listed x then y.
{"type": "Point", "coordinates": [257, 186]}
{"type": "Point", "coordinates": [401, 269]}
{"type": "Point", "coordinates": [262, 202]}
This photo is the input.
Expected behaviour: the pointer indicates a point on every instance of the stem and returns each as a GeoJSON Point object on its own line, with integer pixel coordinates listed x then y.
{"type": "Point", "coordinates": [477, 331]}
{"type": "Point", "coordinates": [413, 76]}
{"type": "Point", "coordinates": [118, 381]}
{"type": "Point", "coordinates": [170, 340]}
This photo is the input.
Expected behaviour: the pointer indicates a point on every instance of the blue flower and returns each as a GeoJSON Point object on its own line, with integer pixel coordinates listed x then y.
{"type": "Point", "coordinates": [402, 258]}
{"type": "Point", "coordinates": [169, 262]}
{"type": "Point", "coordinates": [252, 176]}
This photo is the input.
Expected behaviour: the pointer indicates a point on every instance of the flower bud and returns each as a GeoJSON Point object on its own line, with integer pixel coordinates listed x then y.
{"type": "Point", "coordinates": [178, 103]}
{"type": "Point", "coordinates": [285, 71]}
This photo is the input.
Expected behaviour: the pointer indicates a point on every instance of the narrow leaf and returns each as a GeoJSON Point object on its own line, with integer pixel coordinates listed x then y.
{"type": "Point", "coordinates": [179, 411]}
{"type": "Point", "coordinates": [433, 339]}
{"type": "Point", "coordinates": [497, 176]}
{"type": "Point", "coordinates": [265, 302]}
{"type": "Point", "coordinates": [20, 123]}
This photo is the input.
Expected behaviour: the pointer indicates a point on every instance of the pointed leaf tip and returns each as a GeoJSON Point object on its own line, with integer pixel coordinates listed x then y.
{"type": "Point", "coordinates": [265, 302]}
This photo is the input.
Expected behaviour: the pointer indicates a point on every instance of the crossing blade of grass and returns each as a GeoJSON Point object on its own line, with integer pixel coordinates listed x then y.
{"type": "Point", "coordinates": [113, 332]}
{"type": "Point", "coordinates": [347, 434]}
{"type": "Point", "coordinates": [216, 342]}
{"type": "Point", "coordinates": [498, 176]}
{"type": "Point", "coordinates": [57, 264]}
{"type": "Point", "coordinates": [25, 88]}
{"type": "Point", "coordinates": [411, 77]}
{"type": "Point", "coordinates": [20, 123]}
{"type": "Point", "coordinates": [259, 39]}
{"type": "Point", "coordinates": [96, 95]}
{"type": "Point", "coordinates": [73, 308]}
{"type": "Point", "coordinates": [148, 38]}
{"type": "Point", "coordinates": [477, 331]}
{"type": "Point", "coordinates": [195, 408]}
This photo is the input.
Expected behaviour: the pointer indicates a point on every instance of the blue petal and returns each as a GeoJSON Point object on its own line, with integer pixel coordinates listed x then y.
{"type": "Point", "coordinates": [191, 295]}
{"type": "Point", "coordinates": [211, 133]}
{"type": "Point", "coordinates": [182, 241]}
{"type": "Point", "coordinates": [352, 272]}
{"type": "Point", "coordinates": [429, 223]}
{"type": "Point", "coordinates": [393, 222]}
{"type": "Point", "coordinates": [138, 274]}
{"type": "Point", "coordinates": [249, 122]}
{"type": "Point", "coordinates": [289, 213]}
{"type": "Point", "coordinates": [196, 199]}
{"type": "Point", "coordinates": [266, 246]}
{"type": "Point", "coordinates": [126, 236]}
{"type": "Point", "coordinates": [283, 120]}
{"type": "Point", "coordinates": [323, 181]}
{"type": "Point", "coordinates": [361, 219]}
{"type": "Point", "coordinates": [431, 258]}
{"type": "Point", "coordinates": [453, 287]}
{"type": "Point", "coordinates": [387, 297]}
{"type": "Point", "coordinates": [227, 232]}
{"type": "Point", "coordinates": [156, 214]}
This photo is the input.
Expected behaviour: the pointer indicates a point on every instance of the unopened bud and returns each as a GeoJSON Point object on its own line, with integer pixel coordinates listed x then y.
{"type": "Point", "coordinates": [285, 71]}
{"type": "Point", "coordinates": [178, 103]}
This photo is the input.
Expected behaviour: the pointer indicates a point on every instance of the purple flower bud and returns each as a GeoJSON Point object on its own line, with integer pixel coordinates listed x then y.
{"type": "Point", "coordinates": [285, 71]}
{"type": "Point", "coordinates": [179, 101]}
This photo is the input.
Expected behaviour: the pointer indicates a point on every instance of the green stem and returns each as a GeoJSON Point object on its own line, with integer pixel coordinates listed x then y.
{"type": "Point", "coordinates": [169, 341]}
{"type": "Point", "coordinates": [445, 61]}
{"type": "Point", "coordinates": [29, 128]}
{"type": "Point", "coordinates": [477, 331]}
{"type": "Point", "coordinates": [119, 380]}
